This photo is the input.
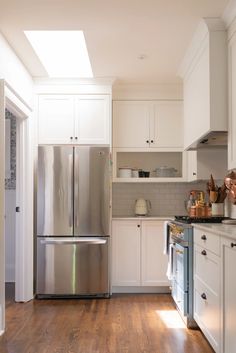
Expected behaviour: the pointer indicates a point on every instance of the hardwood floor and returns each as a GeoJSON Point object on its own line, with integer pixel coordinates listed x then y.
{"type": "Point", "coordinates": [122, 324]}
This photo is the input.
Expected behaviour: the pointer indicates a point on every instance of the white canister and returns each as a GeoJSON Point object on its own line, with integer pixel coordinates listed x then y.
{"type": "Point", "coordinates": [135, 173]}
{"type": "Point", "coordinates": [125, 172]}
{"type": "Point", "coordinates": [217, 209]}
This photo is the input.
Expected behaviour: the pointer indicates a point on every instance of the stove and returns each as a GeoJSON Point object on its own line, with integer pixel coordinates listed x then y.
{"type": "Point", "coordinates": [189, 220]}
{"type": "Point", "coordinates": [180, 236]}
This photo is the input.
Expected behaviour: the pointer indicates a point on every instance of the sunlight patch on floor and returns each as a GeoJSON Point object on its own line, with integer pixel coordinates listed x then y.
{"type": "Point", "coordinates": [171, 318]}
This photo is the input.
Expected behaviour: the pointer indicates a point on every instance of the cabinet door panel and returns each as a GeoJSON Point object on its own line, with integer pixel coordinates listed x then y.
{"type": "Point", "coordinates": [131, 124]}
{"type": "Point", "coordinates": [207, 313]}
{"type": "Point", "coordinates": [166, 125]}
{"type": "Point", "coordinates": [92, 122]}
{"type": "Point", "coordinates": [125, 253]}
{"type": "Point", "coordinates": [154, 262]}
{"type": "Point", "coordinates": [55, 119]}
{"type": "Point", "coordinates": [229, 295]}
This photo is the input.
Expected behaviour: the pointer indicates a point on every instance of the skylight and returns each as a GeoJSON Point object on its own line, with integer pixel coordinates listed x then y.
{"type": "Point", "coordinates": [62, 53]}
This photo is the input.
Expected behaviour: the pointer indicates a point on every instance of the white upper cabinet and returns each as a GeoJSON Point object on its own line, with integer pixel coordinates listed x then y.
{"type": "Point", "coordinates": [77, 119]}
{"type": "Point", "coordinates": [92, 122]}
{"type": "Point", "coordinates": [147, 124]}
{"type": "Point", "coordinates": [232, 97]}
{"type": "Point", "coordinates": [204, 73]}
{"type": "Point", "coordinates": [55, 119]}
{"type": "Point", "coordinates": [131, 123]}
{"type": "Point", "coordinates": [166, 127]}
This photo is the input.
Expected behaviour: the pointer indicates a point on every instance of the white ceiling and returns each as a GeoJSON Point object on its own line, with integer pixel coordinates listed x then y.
{"type": "Point", "coordinates": [117, 32]}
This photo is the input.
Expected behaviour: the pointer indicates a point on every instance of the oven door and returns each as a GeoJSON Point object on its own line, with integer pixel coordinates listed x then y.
{"type": "Point", "coordinates": [180, 278]}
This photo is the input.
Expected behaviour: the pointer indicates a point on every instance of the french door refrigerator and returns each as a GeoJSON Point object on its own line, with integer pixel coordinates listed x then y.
{"type": "Point", "coordinates": [73, 221]}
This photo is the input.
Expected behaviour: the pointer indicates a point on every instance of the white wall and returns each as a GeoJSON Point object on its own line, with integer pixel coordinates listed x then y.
{"type": "Point", "coordinates": [14, 73]}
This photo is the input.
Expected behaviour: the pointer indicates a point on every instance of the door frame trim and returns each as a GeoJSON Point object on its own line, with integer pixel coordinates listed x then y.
{"type": "Point", "coordinates": [24, 194]}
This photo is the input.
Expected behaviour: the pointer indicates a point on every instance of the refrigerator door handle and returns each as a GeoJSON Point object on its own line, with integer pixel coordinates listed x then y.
{"type": "Point", "coordinates": [76, 191]}
{"type": "Point", "coordinates": [70, 189]}
{"type": "Point", "coordinates": [82, 240]}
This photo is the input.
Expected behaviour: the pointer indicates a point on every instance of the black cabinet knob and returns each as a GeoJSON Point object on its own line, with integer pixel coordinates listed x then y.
{"type": "Point", "coordinates": [76, 137]}
{"type": "Point", "coordinates": [152, 141]}
{"type": "Point", "coordinates": [203, 295]}
{"type": "Point", "coordinates": [138, 225]}
{"type": "Point", "coordinates": [233, 244]}
{"type": "Point", "coordinates": [204, 252]}
{"type": "Point", "coordinates": [71, 138]}
{"type": "Point", "coordinates": [194, 173]}
{"type": "Point", "coordinates": [147, 141]}
{"type": "Point", "coordinates": [203, 237]}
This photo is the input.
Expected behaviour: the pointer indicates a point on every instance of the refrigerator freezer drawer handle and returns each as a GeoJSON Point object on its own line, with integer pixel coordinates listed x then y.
{"type": "Point", "coordinates": [73, 241]}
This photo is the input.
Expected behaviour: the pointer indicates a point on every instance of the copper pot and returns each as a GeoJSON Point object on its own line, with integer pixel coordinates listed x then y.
{"type": "Point", "coordinates": [230, 183]}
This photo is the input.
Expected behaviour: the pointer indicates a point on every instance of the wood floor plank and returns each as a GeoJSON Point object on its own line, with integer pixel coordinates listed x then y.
{"type": "Point", "coordinates": [122, 324]}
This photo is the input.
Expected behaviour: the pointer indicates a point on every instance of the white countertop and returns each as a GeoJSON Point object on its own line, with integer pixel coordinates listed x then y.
{"type": "Point", "coordinates": [227, 230]}
{"type": "Point", "coordinates": [147, 218]}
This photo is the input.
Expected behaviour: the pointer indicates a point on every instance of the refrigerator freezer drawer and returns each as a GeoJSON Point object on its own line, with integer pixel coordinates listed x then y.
{"type": "Point", "coordinates": [72, 266]}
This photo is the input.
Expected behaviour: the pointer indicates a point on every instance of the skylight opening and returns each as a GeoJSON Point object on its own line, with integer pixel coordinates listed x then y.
{"type": "Point", "coordinates": [62, 53]}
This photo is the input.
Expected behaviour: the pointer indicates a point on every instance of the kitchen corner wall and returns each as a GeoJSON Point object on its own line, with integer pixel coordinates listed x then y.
{"type": "Point", "coordinates": [167, 199]}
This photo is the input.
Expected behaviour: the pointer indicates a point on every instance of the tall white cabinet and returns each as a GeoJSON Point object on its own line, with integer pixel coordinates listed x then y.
{"type": "Point", "coordinates": [76, 119]}
{"type": "Point", "coordinates": [204, 73]}
{"type": "Point", "coordinates": [232, 96]}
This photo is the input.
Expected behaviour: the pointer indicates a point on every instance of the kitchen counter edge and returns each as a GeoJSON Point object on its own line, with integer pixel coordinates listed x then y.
{"type": "Point", "coordinates": [226, 230]}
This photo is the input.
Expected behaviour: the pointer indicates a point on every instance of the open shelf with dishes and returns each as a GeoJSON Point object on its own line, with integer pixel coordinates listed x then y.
{"type": "Point", "coordinates": [132, 166]}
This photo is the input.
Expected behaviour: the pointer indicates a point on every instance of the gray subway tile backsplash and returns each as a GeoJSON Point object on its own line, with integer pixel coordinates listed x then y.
{"type": "Point", "coordinates": [167, 199]}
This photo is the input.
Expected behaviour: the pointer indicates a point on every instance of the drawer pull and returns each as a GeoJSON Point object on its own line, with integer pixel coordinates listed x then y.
{"type": "Point", "coordinates": [204, 252]}
{"type": "Point", "coordinates": [138, 225]}
{"type": "Point", "coordinates": [203, 237]}
{"type": "Point", "coordinates": [233, 244]}
{"type": "Point", "coordinates": [203, 295]}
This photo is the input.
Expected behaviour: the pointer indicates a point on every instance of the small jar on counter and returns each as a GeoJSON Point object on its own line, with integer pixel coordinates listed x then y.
{"type": "Point", "coordinates": [192, 211]}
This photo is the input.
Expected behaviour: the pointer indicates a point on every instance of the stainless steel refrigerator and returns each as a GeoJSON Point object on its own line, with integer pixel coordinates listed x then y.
{"type": "Point", "coordinates": [73, 221]}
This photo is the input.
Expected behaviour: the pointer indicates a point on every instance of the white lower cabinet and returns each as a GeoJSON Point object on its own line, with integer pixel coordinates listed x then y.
{"type": "Point", "coordinates": [137, 253]}
{"type": "Point", "coordinates": [207, 304]}
{"type": "Point", "coordinates": [229, 295]}
{"type": "Point", "coordinates": [126, 253]}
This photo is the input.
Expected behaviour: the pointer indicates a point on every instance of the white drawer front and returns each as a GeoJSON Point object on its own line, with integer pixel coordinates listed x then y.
{"type": "Point", "coordinates": [207, 313]}
{"type": "Point", "coordinates": [207, 240]}
{"type": "Point", "coordinates": [207, 268]}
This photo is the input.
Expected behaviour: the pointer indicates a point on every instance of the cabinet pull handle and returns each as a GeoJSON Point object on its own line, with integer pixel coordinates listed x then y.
{"type": "Point", "coordinates": [203, 237]}
{"type": "Point", "coordinates": [71, 138]}
{"type": "Point", "coordinates": [147, 141]}
{"type": "Point", "coordinates": [152, 141]}
{"type": "Point", "coordinates": [194, 173]}
{"type": "Point", "coordinates": [204, 252]}
{"type": "Point", "coordinates": [233, 244]}
{"type": "Point", "coordinates": [203, 295]}
{"type": "Point", "coordinates": [76, 137]}
{"type": "Point", "coordinates": [138, 225]}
